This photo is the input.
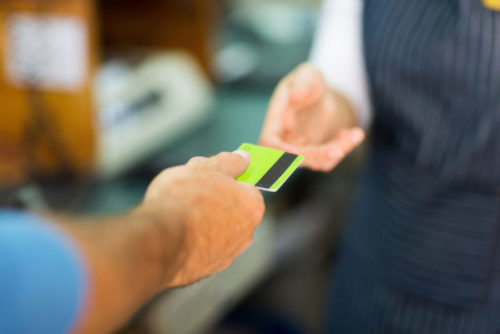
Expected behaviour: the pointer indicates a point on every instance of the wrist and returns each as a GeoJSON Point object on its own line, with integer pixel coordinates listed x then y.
{"type": "Point", "coordinates": [346, 117]}
{"type": "Point", "coordinates": [129, 258]}
{"type": "Point", "coordinates": [163, 239]}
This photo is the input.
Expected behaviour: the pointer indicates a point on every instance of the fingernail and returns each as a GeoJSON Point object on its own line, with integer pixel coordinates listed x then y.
{"type": "Point", "coordinates": [243, 153]}
{"type": "Point", "coordinates": [357, 135]}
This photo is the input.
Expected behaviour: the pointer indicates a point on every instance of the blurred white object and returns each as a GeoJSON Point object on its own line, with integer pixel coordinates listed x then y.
{"type": "Point", "coordinates": [262, 40]}
{"type": "Point", "coordinates": [338, 53]}
{"type": "Point", "coordinates": [49, 51]}
{"type": "Point", "coordinates": [236, 60]}
{"type": "Point", "coordinates": [142, 109]}
{"type": "Point", "coordinates": [281, 22]}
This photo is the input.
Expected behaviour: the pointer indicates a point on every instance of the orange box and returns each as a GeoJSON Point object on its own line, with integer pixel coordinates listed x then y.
{"type": "Point", "coordinates": [47, 56]}
{"type": "Point", "coordinates": [160, 24]}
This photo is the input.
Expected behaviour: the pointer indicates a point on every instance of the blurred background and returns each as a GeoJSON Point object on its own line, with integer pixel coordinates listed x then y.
{"type": "Point", "coordinates": [99, 96]}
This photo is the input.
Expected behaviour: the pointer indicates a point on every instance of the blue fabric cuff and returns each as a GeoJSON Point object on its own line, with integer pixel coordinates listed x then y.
{"type": "Point", "coordinates": [43, 277]}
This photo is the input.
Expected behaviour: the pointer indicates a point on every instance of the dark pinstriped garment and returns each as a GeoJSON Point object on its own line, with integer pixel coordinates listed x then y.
{"type": "Point", "coordinates": [422, 254]}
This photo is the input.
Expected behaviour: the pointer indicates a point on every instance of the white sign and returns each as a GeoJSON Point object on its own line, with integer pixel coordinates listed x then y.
{"type": "Point", "coordinates": [49, 52]}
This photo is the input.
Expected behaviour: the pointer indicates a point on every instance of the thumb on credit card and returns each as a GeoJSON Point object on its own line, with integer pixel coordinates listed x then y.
{"type": "Point", "coordinates": [232, 164]}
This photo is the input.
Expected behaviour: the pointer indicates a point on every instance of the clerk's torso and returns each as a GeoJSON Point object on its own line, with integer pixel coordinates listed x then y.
{"type": "Point", "coordinates": [427, 219]}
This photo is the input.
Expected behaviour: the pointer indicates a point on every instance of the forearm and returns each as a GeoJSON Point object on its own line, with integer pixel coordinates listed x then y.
{"type": "Point", "coordinates": [185, 229]}
{"type": "Point", "coordinates": [129, 260]}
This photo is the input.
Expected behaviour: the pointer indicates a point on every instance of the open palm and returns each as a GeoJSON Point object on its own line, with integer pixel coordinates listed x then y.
{"type": "Point", "coordinates": [305, 117]}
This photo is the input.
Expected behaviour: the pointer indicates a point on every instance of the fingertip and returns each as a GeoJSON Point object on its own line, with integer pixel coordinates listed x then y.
{"type": "Point", "coordinates": [300, 95]}
{"type": "Point", "coordinates": [253, 190]}
{"type": "Point", "coordinates": [297, 94]}
{"type": "Point", "coordinates": [357, 135]}
{"type": "Point", "coordinates": [257, 199]}
{"type": "Point", "coordinates": [335, 153]}
{"type": "Point", "coordinates": [331, 165]}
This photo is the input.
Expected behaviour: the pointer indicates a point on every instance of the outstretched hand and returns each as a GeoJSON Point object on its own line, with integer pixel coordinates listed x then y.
{"type": "Point", "coordinates": [218, 214]}
{"type": "Point", "coordinates": [306, 117]}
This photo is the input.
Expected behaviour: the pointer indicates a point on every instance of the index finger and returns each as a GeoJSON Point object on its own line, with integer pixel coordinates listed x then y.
{"type": "Point", "coordinates": [324, 156]}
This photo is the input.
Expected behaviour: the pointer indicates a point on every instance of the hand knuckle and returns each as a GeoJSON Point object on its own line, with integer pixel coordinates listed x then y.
{"type": "Point", "coordinates": [259, 215]}
{"type": "Point", "coordinates": [260, 203]}
{"type": "Point", "coordinates": [258, 209]}
{"type": "Point", "coordinates": [328, 168]}
{"type": "Point", "coordinates": [224, 155]}
{"type": "Point", "coordinates": [257, 195]}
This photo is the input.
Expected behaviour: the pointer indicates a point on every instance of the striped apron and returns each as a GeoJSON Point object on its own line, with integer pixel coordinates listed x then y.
{"type": "Point", "coordinates": [422, 252]}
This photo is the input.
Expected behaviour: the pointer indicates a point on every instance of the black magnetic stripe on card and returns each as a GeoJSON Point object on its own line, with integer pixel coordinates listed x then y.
{"type": "Point", "coordinates": [275, 172]}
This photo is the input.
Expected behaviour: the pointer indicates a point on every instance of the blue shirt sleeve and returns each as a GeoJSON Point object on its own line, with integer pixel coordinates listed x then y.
{"type": "Point", "coordinates": [42, 276]}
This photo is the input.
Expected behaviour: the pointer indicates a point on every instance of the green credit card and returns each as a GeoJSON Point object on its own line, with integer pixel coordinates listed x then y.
{"type": "Point", "coordinates": [269, 168]}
